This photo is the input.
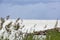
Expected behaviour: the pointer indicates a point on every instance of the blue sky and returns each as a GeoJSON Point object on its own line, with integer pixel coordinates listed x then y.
{"type": "Point", "coordinates": [30, 9]}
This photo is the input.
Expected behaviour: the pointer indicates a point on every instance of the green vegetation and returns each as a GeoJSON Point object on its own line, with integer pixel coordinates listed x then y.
{"type": "Point", "coordinates": [52, 35]}
{"type": "Point", "coordinates": [28, 37]}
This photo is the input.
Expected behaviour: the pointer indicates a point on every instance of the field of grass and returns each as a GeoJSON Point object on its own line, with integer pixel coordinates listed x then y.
{"type": "Point", "coordinates": [51, 35]}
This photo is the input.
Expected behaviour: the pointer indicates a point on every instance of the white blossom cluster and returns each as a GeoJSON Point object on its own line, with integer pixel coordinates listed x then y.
{"type": "Point", "coordinates": [11, 30]}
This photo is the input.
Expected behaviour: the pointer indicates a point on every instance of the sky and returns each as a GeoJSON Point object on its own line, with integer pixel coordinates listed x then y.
{"type": "Point", "coordinates": [30, 9]}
